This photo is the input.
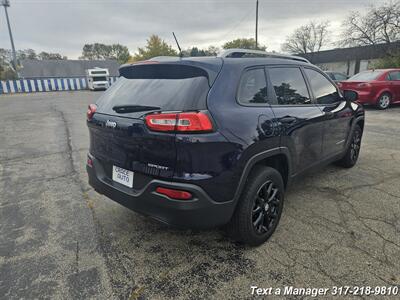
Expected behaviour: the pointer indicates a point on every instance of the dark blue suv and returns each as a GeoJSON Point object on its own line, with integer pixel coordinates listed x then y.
{"type": "Point", "coordinates": [212, 141]}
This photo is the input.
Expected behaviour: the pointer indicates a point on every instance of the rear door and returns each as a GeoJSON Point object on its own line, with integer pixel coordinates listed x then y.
{"type": "Point", "coordinates": [300, 121]}
{"type": "Point", "coordinates": [337, 113]}
{"type": "Point", "coordinates": [118, 133]}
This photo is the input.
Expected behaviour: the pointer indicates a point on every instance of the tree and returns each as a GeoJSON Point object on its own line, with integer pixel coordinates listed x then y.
{"type": "Point", "coordinates": [120, 53]}
{"type": "Point", "coordinates": [380, 24]}
{"type": "Point", "coordinates": [103, 51]}
{"type": "Point", "coordinates": [6, 70]}
{"type": "Point", "coordinates": [244, 43]}
{"type": "Point", "coordinates": [26, 54]}
{"type": "Point", "coordinates": [194, 51]}
{"type": "Point", "coordinates": [392, 60]}
{"type": "Point", "coordinates": [50, 56]}
{"type": "Point", "coordinates": [155, 47]}
{"type": "Point", "coordinates": [311, 37]}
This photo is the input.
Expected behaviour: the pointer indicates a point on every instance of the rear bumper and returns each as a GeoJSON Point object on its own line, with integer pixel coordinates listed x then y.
{"type": "Point", "coordinates": [200, 212]}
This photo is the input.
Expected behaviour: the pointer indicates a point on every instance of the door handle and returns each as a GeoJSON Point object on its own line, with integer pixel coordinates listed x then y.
{"type": "Point", "coordinates": [287, 120]}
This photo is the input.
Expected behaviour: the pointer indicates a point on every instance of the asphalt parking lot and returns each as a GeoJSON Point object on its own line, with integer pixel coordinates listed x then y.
{"type": "Point", "coordinates": [60, 239]}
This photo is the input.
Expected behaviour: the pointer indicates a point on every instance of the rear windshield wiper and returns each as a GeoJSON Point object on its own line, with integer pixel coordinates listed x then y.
{"type": "Point", "coordinates": [124, 109]}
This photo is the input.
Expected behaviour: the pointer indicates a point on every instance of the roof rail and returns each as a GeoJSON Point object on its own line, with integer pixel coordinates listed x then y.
{"type": "Point", "coordinates": [239, 53]}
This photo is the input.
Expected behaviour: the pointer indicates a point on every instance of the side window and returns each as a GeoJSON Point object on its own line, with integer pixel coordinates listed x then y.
{"type": "Point", "coordinates": [394, 76]}
{"type": "Point", "coordinates": [253, 87]}
{"type": "Point", "coordinates": [289, 86]}
{"type": "Point", "coordinates": [324, 91]}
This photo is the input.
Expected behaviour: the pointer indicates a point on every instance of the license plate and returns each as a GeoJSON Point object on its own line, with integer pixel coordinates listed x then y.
{"type": "Point", "coordinates": [122, 176]}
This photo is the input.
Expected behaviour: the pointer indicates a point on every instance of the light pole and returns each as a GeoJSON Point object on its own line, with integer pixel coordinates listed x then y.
{"type": "Point", "coordinates": [257, 24]}
{"type": "Point", "coordinates": [6, 3]}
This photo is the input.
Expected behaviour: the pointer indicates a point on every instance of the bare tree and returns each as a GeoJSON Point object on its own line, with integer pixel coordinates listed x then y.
{"type": "Point", "coordinates": [380, 24]}
{"type": "Point", "coordinates": [311, 37]}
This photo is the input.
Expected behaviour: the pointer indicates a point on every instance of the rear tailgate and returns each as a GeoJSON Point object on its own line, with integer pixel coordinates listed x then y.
{"type": "Point", "coordinates": [130, 145]}
{"type": "Point", "coordinates": [121, 138]}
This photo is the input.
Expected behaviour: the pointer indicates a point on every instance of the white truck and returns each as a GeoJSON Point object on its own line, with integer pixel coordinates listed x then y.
{"type": "Point", "coordinates": [98, 79]}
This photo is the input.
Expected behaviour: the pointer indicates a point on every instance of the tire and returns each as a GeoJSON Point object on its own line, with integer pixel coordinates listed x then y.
{"type": "Point", "coordinates": [255, 218]}
{"type": "Point", "coordinates": [384, 101]}
{"type": "Point", "coordinates": [353, 151]}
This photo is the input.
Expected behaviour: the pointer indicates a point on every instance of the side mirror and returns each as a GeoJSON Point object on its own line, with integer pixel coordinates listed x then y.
{"type": "Point", "coordinates": [350, 95]}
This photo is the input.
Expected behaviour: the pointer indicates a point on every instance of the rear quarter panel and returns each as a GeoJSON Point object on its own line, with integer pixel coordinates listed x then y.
{"type": "Point", "coordinates": [241, 132]}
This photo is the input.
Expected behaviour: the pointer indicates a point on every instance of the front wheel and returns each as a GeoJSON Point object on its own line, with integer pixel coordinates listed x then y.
{"type": "Point", "coordinates": [260, 207]}
{"type": "Point", "coordinates": [353, 151]}
{"type": "Point", "coordinates": [384, 101]}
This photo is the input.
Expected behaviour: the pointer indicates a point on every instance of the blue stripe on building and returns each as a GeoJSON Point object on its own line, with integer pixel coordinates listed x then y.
{"type": "Point", "coordinates": [68, 84]}
{"type": "Point", "coordinates": [53, 84]}
{"type": "Point", "coordinates": [36, 85]}
{"type": "Point", "coordinates": [43, 85]}
{"type": "Point", "coordinates": [28, 83]}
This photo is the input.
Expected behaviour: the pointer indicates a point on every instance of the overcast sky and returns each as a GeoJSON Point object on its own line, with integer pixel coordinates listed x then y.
{"type": "Point", "coordinates": [64, 26]}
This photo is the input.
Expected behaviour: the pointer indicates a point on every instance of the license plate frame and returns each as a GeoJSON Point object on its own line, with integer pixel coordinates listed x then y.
{"type": "Point", "coordinates": [122, 176]}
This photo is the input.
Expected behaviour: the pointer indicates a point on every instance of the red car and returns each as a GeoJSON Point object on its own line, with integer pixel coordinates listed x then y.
{"type": "Point", "coordinates": [377, 87]}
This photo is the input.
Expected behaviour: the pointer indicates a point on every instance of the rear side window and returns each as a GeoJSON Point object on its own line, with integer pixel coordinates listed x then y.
{"type": "Point", "coordinates": [324, 91]}
{"type": "Point", "coordinates": [253, 87]}
{"type": "Point", "coordinates": [394, 75]}
{"type": "Point", "coordinates": [289, 85]}
{"type": "Point", "coordinates": [169, 88]}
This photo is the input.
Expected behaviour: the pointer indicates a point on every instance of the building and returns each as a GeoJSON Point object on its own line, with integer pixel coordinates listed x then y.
{"type": "Point", "coordinates": [351, 61]}
{"type": "Point", "coordinates": [32, 68]}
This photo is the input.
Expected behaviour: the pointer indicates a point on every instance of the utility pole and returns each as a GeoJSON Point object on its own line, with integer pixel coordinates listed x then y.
{"type": "Point", "coordinates": [257, 24]}
{"type": "Point", "coordinates": [6, 3]}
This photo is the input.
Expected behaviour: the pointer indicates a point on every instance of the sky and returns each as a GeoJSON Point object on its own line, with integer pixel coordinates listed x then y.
{"type": "Point", "coordinates": [64, 26]}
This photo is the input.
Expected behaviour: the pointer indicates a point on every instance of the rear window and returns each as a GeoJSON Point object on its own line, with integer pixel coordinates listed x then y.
{"type": "Point", "coordinates": [171, 88]}
{"type": "Point", "coordinates": [366, 76]}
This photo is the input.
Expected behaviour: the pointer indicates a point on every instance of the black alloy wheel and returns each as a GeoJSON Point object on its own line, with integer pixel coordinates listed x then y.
{"type": "Point", "coordinates": [266, 208]}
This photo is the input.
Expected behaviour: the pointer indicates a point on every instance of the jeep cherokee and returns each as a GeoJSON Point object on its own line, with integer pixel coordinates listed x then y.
{"type": "Point", "coordinates": [212, 141]}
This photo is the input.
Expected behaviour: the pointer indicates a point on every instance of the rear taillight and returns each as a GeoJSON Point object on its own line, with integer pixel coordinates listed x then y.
{"type": "Point", "coordinates": [183, 122]}
{"type": "Point", "coordinates": [90, 112]}
{"type": "Point", "coordinates": [174, 194]}
{"type": "Point", "coordinates": [89, 162]}
{"type": "Point", "coordinates": [364, 85]}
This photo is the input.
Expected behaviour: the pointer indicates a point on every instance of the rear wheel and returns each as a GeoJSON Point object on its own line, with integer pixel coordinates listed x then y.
{"type": "Point", "coordinates": [384, 101]}
{"type": "Point", "coordinates": [353, 151]}
{"type": "Point", "coordinates": [260, 207]}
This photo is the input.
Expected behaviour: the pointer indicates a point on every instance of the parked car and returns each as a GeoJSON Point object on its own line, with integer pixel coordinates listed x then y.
{"type": "Point", "coordinates": [336, 76]}
{"type": "Point", "coordinates": [212, 141]}
{"type": "Point", "coordinates": [376, 87]}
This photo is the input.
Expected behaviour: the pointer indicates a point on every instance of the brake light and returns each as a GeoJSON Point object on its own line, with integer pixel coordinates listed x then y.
{"type": "Point", "coordinates": [89, 162]}
{"type": "Point", "coordinates": [183, 122]}
{"type": "Point", "coordinates": [174, 194]}
{"type": "Point", "coordinates": [90, 112]}
{"type": "Point", "coordinates": [364, 85]}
